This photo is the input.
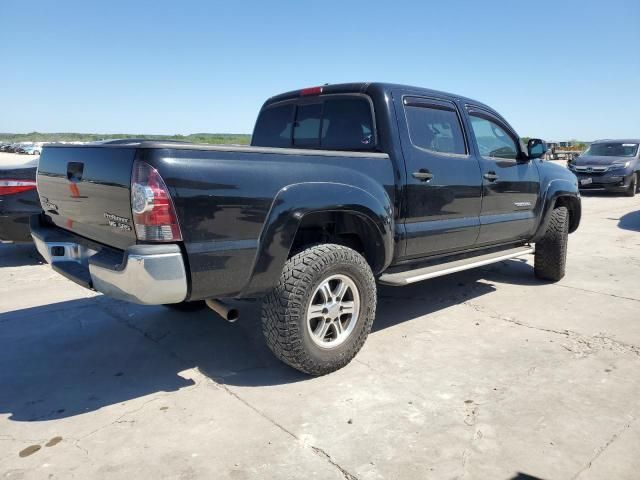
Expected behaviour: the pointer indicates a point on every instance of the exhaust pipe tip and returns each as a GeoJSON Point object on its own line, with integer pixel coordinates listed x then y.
{"type": "Point", "coordinates": [232, 315]}
{"type": "Point", "coordinates": [228, 313]}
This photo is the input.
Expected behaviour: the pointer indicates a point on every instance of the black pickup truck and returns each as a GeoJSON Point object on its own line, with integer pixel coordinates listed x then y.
{"type": "Point", "coordinates": [343, 186]}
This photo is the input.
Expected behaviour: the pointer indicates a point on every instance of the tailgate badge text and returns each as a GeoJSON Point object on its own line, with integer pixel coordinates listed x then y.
{"type": "Point", "coordinates": [117, 221]}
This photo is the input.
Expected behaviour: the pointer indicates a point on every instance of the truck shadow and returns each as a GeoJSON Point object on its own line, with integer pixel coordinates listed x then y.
{"type": "Point", "coordinates": [74, 357]}
{"type": "Point", "coordinates": [19, 254]}
{"type": "Point", "coordinates": [630, 221]}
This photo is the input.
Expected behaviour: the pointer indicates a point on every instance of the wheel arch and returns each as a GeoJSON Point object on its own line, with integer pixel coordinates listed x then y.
{"type": "Point", "coordinates": [560, 193]}
{"type": "Point", "coordinates": [357, 218]}
{"type": "Point", "coordinates": [352, 229]}
{"type": "Point", "coordinates": [573, 205]}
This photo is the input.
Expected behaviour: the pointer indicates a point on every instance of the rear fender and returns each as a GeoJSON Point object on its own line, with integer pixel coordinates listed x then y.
{"type": "Point", "coordinates": [288, 209]}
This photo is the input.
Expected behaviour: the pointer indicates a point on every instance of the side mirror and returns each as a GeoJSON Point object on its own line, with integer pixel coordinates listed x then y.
{"type": "Point", "coordinates": [536, 148]}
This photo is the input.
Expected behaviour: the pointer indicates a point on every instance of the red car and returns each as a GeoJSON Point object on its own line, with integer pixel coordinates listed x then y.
{"type": "Point", "coordinates": [18, 201]}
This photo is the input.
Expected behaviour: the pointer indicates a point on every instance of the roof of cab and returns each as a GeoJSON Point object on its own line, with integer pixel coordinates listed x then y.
{"type": "Point", "coordinates": [364, 87]}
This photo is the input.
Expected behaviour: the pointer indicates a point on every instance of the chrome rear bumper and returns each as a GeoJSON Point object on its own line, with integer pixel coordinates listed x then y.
{"type": "Point", "coordinates": [146, 274]}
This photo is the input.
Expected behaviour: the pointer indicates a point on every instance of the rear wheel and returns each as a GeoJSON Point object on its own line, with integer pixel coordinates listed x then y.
{"type": "Point", "coordinates": [319, 315]}
{"type": "Point", "coordinates": [551, 251]}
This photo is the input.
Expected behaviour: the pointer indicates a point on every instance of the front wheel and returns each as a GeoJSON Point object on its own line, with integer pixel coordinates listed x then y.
{"type": "Point", "coordinates": [633, 186]}
{"type": "Point", "coordinates": [319, 315]}
{"type": "Point", "coordinates": [551, 251]}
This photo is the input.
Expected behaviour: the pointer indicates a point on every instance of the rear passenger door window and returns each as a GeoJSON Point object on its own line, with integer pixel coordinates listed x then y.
{"type": "Point", "coordinates": [435, 127]}
{"type": "Point", "coordinates": [493, 140]}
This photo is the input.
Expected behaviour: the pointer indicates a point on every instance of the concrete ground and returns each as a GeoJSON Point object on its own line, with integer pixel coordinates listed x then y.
{"type": "Point", "coordinates": [482, 374]}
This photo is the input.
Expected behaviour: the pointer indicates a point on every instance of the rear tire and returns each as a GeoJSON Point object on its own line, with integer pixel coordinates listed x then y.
{"type": "Point", "coordinates": [551, 251]}
{"type": "Point", "coordinates": [319, 315]}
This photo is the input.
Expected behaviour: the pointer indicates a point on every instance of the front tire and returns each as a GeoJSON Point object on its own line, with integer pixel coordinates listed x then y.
{"type": "Point", "coordinates": [319, 315]}
{"type": "Point", "coordinates": [551, 251]}
{"type": "Point", "coordinates": [633, 186]}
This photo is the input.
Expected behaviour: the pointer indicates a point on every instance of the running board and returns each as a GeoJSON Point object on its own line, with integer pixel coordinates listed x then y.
{"type": "Point", "coordinates": [417, 275]}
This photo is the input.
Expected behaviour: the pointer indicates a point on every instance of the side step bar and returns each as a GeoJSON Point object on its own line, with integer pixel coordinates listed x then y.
{"type": "Point", "coordinates": [417, 275]}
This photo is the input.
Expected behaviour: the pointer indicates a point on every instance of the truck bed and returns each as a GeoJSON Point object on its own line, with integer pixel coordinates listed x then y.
{"type": "Point", "coordinates": [225, 196]}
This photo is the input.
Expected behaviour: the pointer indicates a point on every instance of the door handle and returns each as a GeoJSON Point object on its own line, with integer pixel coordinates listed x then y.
{"type": "Point", "coordinates": [423, 175]}
{"type": "Point", "coordinates": [490, 176]}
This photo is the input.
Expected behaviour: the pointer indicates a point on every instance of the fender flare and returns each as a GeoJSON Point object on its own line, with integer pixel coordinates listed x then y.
{"type": "Point", "coordinates": [556, 189]}
{"type": "Point", "coordinates": [289, 207]}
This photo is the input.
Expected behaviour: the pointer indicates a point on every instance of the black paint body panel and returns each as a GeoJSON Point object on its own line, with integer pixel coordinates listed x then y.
{"type": "Point", "coordinates": [78, 200]}
{"type": "Point", "coordinates": [239, 208]}
{"type": "Point", "coordinates": [239, 211]}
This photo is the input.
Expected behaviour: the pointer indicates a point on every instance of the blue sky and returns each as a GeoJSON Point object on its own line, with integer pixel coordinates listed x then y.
{"type": "Point", "coordinates": [554, 69]}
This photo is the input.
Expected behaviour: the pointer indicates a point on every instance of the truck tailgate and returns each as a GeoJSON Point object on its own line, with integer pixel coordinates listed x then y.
{"type": "Point", "coordinates": [87, 190]}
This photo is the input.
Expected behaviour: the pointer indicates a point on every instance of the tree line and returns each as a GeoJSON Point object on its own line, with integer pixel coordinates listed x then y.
{"type": "Point", "coordinates": [210, 138]}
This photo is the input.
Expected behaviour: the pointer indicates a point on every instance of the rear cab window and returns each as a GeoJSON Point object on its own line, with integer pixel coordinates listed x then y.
{"type": "Point", "coordinates": [331, 122]}
{"type": "Point", "coordinates": [307, 126]}
{"type": "Point", "coordinates": [273, 128]}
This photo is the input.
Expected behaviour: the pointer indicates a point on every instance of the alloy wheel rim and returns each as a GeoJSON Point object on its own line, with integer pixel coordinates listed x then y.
{"type": "Point", "coordinates": [333, 311]}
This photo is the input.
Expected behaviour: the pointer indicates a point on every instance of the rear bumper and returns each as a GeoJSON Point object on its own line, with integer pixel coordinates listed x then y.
{"type": "Point", "coordinates": [145, 274]}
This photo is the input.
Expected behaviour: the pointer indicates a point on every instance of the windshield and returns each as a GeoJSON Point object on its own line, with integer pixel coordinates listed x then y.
{"type": "Point", "coordinates": [612, 149]}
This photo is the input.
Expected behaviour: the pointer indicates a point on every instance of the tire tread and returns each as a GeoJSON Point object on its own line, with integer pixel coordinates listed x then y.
{"type": "Point", "coordinates": [551, 251]}
{"type": "Point", "coordinates": [284, 305]}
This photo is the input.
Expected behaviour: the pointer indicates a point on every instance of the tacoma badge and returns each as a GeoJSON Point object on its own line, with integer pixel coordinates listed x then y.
{"type": "Point", "coordinates": [117, 221]}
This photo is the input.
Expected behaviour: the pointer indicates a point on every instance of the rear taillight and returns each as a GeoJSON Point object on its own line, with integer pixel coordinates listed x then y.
{"type": "Point", "coordinates": [154, 215]}
{"type": "Point", "coordinates": [10, 186]}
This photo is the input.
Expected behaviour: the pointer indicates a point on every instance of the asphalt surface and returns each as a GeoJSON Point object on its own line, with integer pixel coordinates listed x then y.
{"type": "Point", "coordinates": [482, 374]}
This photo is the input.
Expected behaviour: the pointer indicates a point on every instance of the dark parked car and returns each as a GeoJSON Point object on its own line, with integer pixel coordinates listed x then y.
{"type": "Point", "coordinates": [611, 165]}
{"type": "Point", "coordinates": [18, 201]}
{"type": "Point", "coordinates": [15, 148]}
{"type": "Point", "coordinates": [343, 185]}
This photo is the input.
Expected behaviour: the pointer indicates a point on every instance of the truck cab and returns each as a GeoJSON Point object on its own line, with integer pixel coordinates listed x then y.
{"type": "Point", "coordinates": [463, 179]}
